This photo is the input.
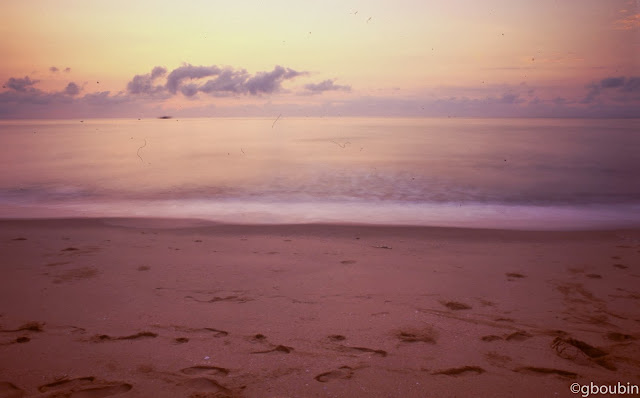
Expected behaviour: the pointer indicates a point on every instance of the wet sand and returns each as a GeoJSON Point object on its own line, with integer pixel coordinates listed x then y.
{"type": "Point", "coordinates": [186, 308]}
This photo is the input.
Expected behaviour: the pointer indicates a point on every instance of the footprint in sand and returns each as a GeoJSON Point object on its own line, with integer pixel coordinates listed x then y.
{"type": "Point", "coordinates": [207, 331]}
{"type": "Point", "coordinates": [456, 306]}
{"type": "Point", "coordinates": [568, 347]}
{"type": "Point", "coordinates": [27, 327]}
{"type": "Point", "coordinates": [23, 331]}
{"type": "Point", "coordinates": [55, 264]}
{"type": "Point", "coordinates": [198, 379]}
{"type": "Point", "coordinates": [343, 372]}
{"type": "Point", "coordinates": [581, 352]}
{"type": "Point", "coordinates": [205, 370]}
{"type": "Point", "coordinates": [76, 274]}
{"type": "Point", "coordinates": [142, 335]}
{"type": "Point", "coordinates": [343, 348]}
{"type": "Point", "coordinates": [10, 390]}
{"type": "Point", "coordinates": [497, 359]}
{"type": "Point", "coordinates": [546, 371]}
{"type": "Point", "coordinates": [425, 335]}
{"type": "Point", "coordinates": [76, 251]}
{"type": "Point", "coordinates": [514, 275]}
{"type": "Point", "coordinates": [381, 353]}
{"type": "Point", "coordinates": [619, 337]}
{"type": "Point", "coordinates": [18, 340]}
{"type": "Point", "coordinates": [85, 387]}
{"type": "Point", "coordinates": [262, 339]}
{"type": "Point", "coordinates": [206, 386]}
{"type": "Point", "coordinates": [215, 299]}
{"type": "Point", "coordinates": [278, 348]}
{"type": "Point", "coordinates": [465, 370]}
{"type": "Point", "coordinates": [519, 335]}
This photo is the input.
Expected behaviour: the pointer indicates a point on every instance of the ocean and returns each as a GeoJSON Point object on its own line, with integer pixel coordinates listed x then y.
{"type": "Point", "coordinates": [481, 173]}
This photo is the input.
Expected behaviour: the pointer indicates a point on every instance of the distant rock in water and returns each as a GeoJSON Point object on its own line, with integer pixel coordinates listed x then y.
{"type": "Point", "coordinates": [165, 117]}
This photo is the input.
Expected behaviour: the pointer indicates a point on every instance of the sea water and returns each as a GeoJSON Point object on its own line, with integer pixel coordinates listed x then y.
{"type": "Point", "coordinates": [485, 173]}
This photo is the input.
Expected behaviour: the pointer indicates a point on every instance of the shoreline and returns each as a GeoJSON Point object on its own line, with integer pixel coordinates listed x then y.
{"type": "Point", "coordinates": [138, 307]}
{"type": "Point", "coordinates": [471, 216]}
{"type": "Point", "coordinates": [175, 223]}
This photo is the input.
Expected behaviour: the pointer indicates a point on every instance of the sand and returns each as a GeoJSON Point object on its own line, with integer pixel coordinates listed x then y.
{"type": "Point", "coordinates": [185, 308]}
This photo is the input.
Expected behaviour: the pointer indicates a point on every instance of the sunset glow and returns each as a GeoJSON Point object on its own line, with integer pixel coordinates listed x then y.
{"type": "Point", "coordinates": [365, 58]}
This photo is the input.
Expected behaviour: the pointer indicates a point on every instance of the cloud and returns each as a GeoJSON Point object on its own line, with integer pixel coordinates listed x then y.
{"type": "Point", "coordinates": [326, 85]}
{"type": "Point", "coordinates": [632, 84]}
{"type": "Point", "coordinates": [612, 82]}
{"type": "Point", "coordinates": [559, 101]}
{"type": "Point", "coordinates": [33, 96]}
{"type": "Point", "coordinates": [187, 80]}
{"type": "Point", "coordinates": [189, 90]}
{"type": "Point", "coordinates": [104, 98]}
{"type": "Point", "coordinates": [144, 84]}
{"type": "Point", "coordinates": [53, 69]}
{"type": "Point", "coordinates": [610, 96]}
{"type": "Point", "coordinates": [270, 82]}
{"type": "Point", "coordinates": [510, 98]}
{"type": "Point", "coordinates": [628, 22]}
{"type": "Point", "coordinates": [24, 93]}
{"type": "Point", "coordinates": [22, 85]}
{"type": "Point", "coordinates": [188, 72]}
{"type": "Point", "coordinates": [158, 71]}
{"type": "Point", "coordinates": [622, 87]}
{"type": "Point", "coordinates": [72, 89]}
{"type": "Point", "coordinates": [229, 81]}
{"type": "Point", "coordinates": [21, 98]}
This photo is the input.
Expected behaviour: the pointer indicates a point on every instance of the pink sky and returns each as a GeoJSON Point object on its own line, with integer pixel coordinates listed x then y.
{"type": "Point", "coordinates": [495, 58]}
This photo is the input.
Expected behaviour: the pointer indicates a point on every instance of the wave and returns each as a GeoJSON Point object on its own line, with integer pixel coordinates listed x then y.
{"type": "Point", "coordinates": [469, 215]}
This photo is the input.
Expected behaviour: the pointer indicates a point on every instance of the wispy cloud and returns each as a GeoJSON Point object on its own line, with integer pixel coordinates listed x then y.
{"type": "Point", "coordinates": [326, 85]}
{"type": "Point", "coordinates": [628, 22]}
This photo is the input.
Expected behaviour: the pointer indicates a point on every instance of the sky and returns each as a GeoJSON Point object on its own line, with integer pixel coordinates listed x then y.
{"type": "Point", "coordinates": [408, 58]}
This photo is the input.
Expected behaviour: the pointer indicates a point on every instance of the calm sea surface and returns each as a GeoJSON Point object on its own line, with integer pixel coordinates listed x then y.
{"type": "Point", "coordinates": [514, 173]}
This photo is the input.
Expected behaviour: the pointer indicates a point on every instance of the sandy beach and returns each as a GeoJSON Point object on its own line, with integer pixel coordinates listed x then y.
{"type": "Point", "coordinates": [188, 308]}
